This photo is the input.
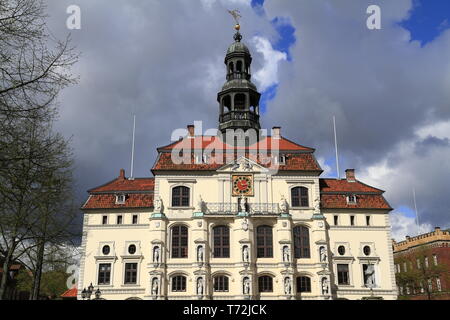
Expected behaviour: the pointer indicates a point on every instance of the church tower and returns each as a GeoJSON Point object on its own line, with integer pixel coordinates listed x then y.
{"type": "Point", "coordinates": [239, 98]}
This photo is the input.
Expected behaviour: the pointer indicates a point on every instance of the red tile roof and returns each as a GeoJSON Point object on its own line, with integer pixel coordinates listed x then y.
{"type": "Point", "coordinates": [212, 142]}
{"type": "Point", "coordinates": [108, 201]}
{"type": "Point", "coordinates": [71, 293]}
{"type": "Point", "coordinates": [342, 185]}
{"type": "Point", "coordinates": [334, 195]}
{"type": "Point", "coordinates": [294, 162]}
{"type": "Point", "coordinates": [123, 184]}
{"type": "Point", "coordinates": [363, 201]}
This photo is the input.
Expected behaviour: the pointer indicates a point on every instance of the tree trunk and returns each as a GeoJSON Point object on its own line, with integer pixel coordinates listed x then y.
{"type": "Point", "coordinates": [5, 276]}
{"type": "Point", "coordinates": [38, 273]}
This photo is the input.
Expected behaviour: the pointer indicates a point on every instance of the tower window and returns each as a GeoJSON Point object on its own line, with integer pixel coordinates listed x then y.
{"type": "Point", "coordinates": [239, 101]}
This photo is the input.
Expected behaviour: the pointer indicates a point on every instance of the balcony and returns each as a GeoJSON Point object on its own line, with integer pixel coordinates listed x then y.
{"type": "Point", "coordinates": [239, 115]}
{"type": "Point", "coordinates": [238, 76]}
{"type": "Point", "coordinates": [253, 209]}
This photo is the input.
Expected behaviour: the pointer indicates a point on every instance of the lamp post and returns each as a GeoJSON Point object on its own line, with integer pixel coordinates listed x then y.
{"type": "Point", "coordinates": [86, 294]}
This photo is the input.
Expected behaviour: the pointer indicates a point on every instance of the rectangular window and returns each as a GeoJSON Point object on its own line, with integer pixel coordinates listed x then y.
{"type": "Point", "coordinates": [130, 273]}
{"type": "Point", "coordinates": [105, 220]}
{"type": "Point", "coordinates": [119, 219]}
{"type": "Point", "coordinates": [336, 220]}
{"type": "Point", "coordinates": [368, 220]}
{"type": "Point", "coordinates": [419, 265]}
{"type": "Point", "coordinates": [405, 268]}
{"type": "Point", "coordinates": [221, 284]}
{"type": "Point", "coordinates": [179, 284]}
{"type": "Point", "coordinates": [343, 274]}
{"type": "Point", "coordinates": [426, 262]}
{"type": "Point", "coordinates": [352, 220]}
{"type": "Point", "coordinates": [104, 273]}
{"type": "Point", "coordinates": [303, 284]}
{"type": "Point", "coordinates": [435, 260]}
{"type": "Point", "coordinates": [135, 219]}
{"type": "Point", "coordinates": [438, 284]}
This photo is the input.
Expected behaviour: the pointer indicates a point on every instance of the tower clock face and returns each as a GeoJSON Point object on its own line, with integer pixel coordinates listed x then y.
{"type": "Point", "coordinates": [243, 185]}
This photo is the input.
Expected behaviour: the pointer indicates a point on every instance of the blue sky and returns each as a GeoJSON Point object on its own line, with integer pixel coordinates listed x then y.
{"type": "Point", "coordinates": [428, 20]}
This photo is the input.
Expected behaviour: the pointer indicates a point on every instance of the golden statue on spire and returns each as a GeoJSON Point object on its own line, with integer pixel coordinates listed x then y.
{"type": "Point", "coordinates": [236, 15]}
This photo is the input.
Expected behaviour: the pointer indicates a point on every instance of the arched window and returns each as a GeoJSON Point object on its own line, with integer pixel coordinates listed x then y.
{"type": "Point", "coordinates": [221, 284]}
{"type": "Point", "coordinates": [265, 284]}
{"type": "Point", "coordinates": [179, 242]}
{"type": "Point", "coordinates": [221, 242]}
{"type": "Point", "coordinates": [231, 67]}
{"type": "Point", "coordinates": [303, 284]}
{"type": "Point", "coordinates": [239, 101]}
{"type": "Point", "coordinates": [180, 197]}
{"type": "Point", "coordinates": [299, 197]}
{"type": "Point", "coordinates": [239, 66]}
{"type": "Point", "coordinates": [179, 283]}
{"type": "Point", "coordinates": [301, 242]}
{"type": "Point", "coordinates": [264, 242]}
{"type": "Point", "coordinates": [227, 103]}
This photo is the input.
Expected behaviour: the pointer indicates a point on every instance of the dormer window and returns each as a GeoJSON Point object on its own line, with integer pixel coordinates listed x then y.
{"type": "Point", "coordinates": [282, 159]}
{"type": "Point", "coordinates": [120, 199]}
{"type": "Point", "coordinates": [351, 199]}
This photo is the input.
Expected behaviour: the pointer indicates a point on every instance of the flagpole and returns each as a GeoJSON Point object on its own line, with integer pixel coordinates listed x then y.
{"type": "Point", "coordinates": [336, 147]}
{"type": "Point", "coordinates": [132, 148]}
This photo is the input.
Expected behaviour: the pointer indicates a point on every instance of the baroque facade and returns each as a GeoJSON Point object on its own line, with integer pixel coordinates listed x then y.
{"type": "Point", "coordinates": [237, 218]}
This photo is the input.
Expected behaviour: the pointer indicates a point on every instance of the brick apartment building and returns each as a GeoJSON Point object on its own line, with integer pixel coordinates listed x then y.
{"type": "Point", "coordinates": [422, 266]}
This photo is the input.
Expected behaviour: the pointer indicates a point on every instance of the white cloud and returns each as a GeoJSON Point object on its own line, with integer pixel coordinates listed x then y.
{"type": "Point", "coordinates": [403, 226]}
{"type": "Point", "coordinates": [267, 76]}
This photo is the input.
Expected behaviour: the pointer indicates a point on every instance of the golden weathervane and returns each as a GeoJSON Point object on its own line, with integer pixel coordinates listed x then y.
{"type": "Point", "coordinates": [236, 15]}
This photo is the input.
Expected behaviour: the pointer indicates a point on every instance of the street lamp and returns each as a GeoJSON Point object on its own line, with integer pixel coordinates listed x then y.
{"type": "Point", "coordinates": [86, 294]}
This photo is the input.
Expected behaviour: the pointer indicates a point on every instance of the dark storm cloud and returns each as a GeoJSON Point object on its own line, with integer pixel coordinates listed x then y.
{"type": "Point", "coordinates": [164, 61]}
{"type": "Point", "coordinates": [381, 87]}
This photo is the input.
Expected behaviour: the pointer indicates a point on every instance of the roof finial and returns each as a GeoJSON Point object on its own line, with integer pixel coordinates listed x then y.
{"type": "Point", "coordinates": [236, 15]}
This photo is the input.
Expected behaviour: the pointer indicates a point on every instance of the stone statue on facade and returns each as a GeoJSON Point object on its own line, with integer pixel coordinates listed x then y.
{"type": "Point", "coordinates": [325, 288]}
{"type": "Point", "coordinates": [155, 287]}
{"type": "Point", "coordinates": [287, 286]}
{"type": "Point", "coordinates": [323, 254]}
{"type": "Point", "coordinates": [245, 224]}
{"type": "Point", "coordinates": [246, 286]}
{"type": "Point", "coordinates": [200, 254]}
{"type": "Point", "coordinates": [156, 254]}
{"type": "Point", "coordinates": [317, 205]}
{"type": "Point", "coordinates": [200, 286]}
{"type": "Point", "coordinates": [199, 206]}
{"type": "Point", "coordinates": [283, 205]}
{"type": "Point", "coordinates": [286, 255]}
{"type": "Point", "coordinates": [158, 204]}
{"type": "Point", "coordinates": [370, 276]}
{"type": "Point", "coordinates": [245, 254]}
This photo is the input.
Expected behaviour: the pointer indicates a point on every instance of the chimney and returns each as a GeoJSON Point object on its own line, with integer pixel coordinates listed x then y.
{"type": "Point", "coordinates": [350, 174]}
{"type": "Point", "coordinates": [191, 130]}
{"type": "Point", "coordinates": [276, 132]}
{"type": "Point", "coordinates": [437, 229]}
{"type": "Point", "coordinates": [122, 174]}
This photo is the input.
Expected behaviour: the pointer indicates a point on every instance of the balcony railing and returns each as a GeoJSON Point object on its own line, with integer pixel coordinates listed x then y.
{"type": "Point", "coordinates": [254, 209]}
{"type": "Point", "coordinates": [239, 115]}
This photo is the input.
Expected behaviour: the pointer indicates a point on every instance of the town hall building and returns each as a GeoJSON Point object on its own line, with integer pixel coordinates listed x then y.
{"type": "Point", "coordinates": [237, 217]}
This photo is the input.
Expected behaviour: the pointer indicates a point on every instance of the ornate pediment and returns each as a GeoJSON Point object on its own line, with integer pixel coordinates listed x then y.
{"type": "Point", "coordinates": [242, 165]}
